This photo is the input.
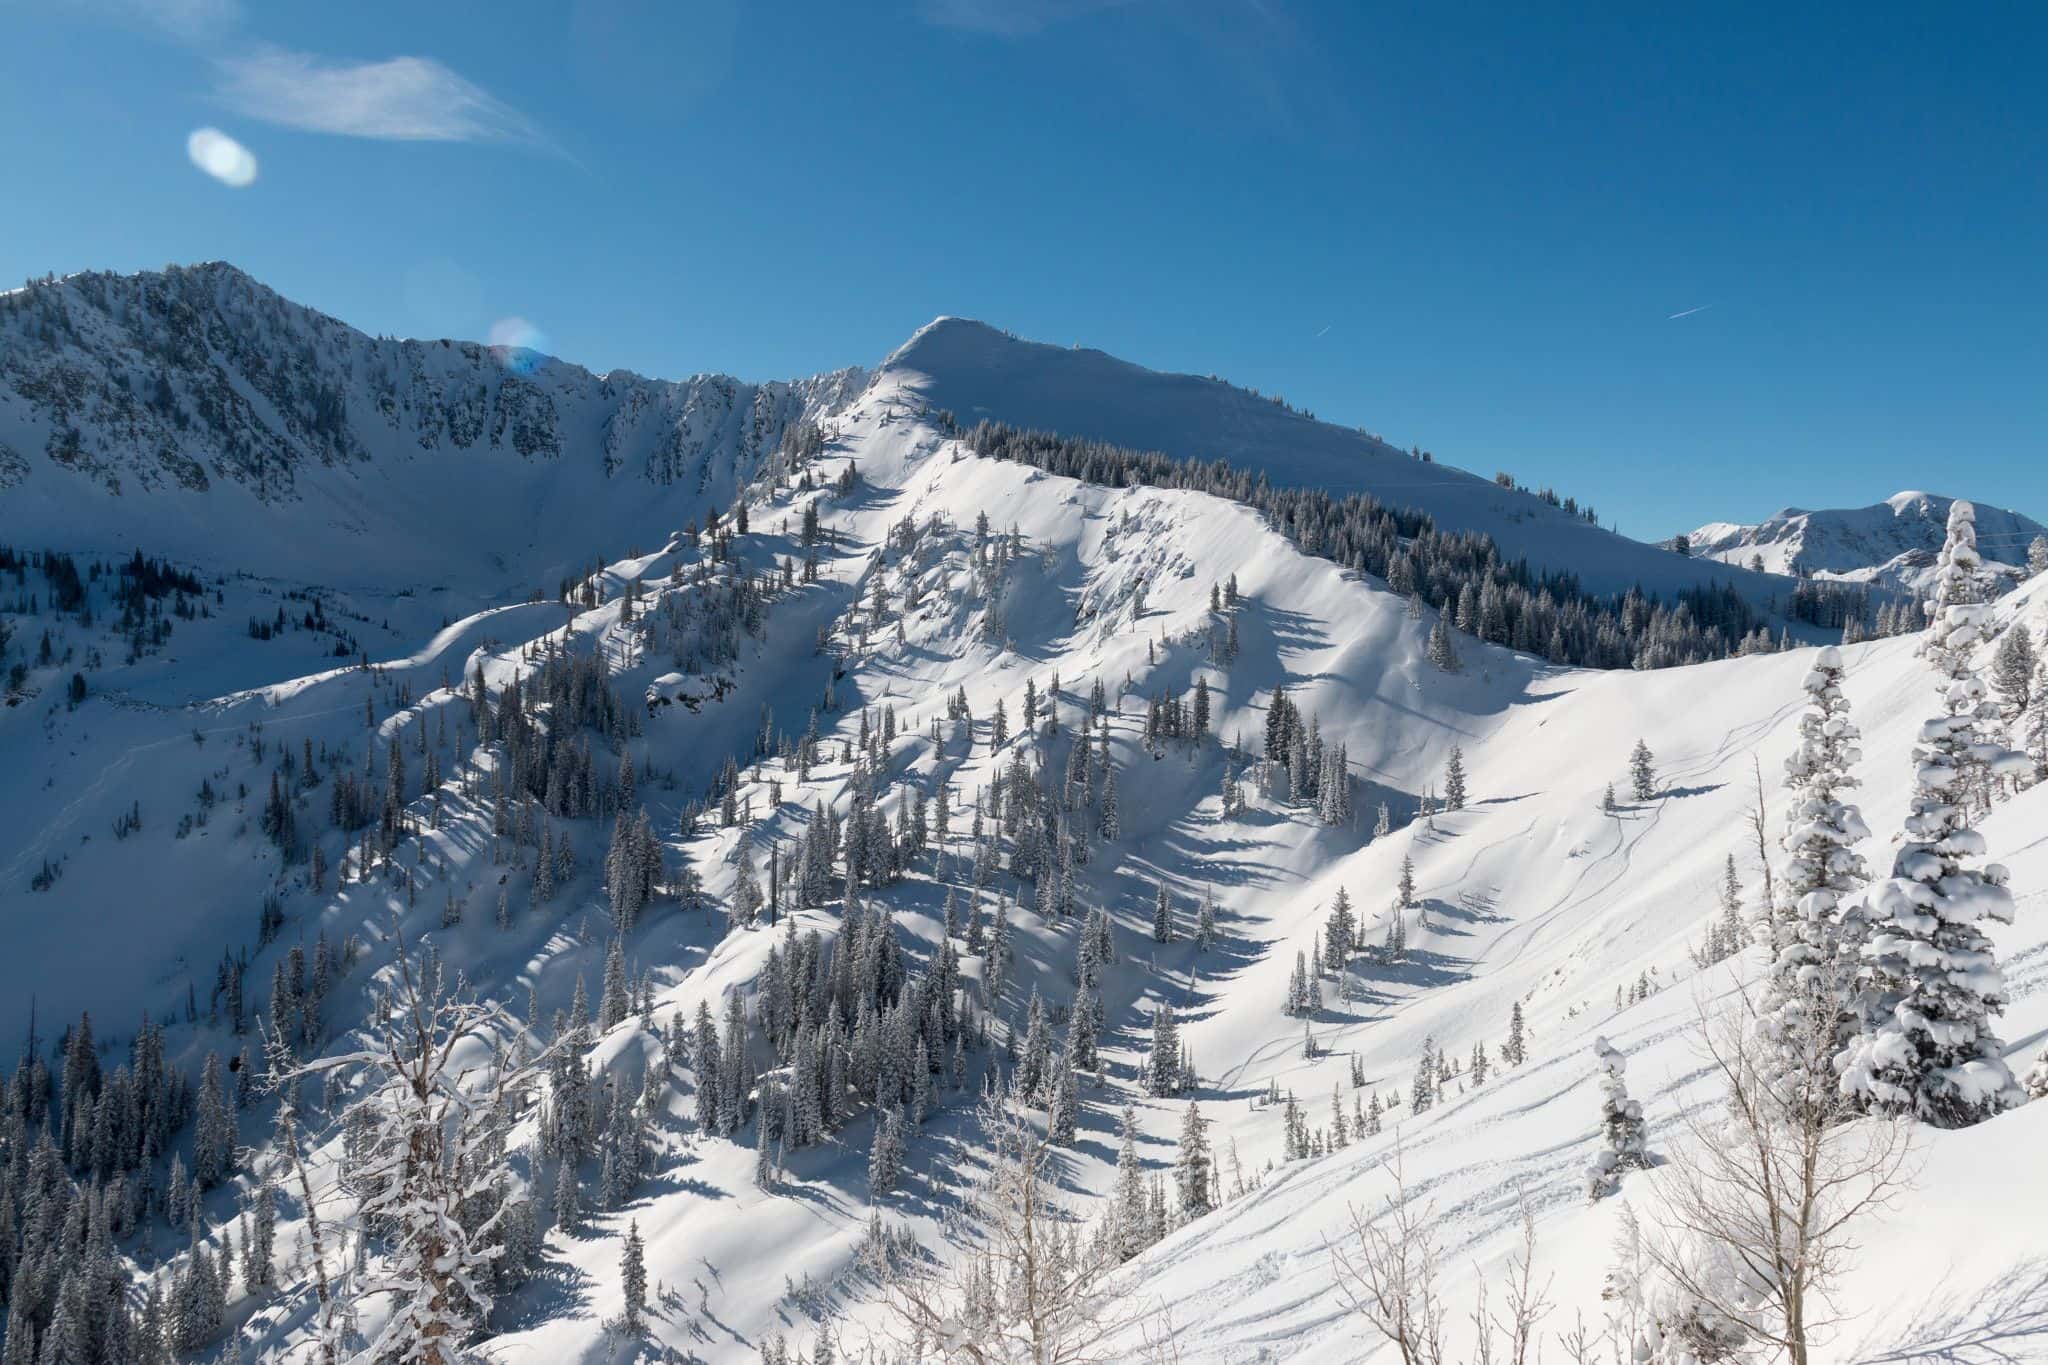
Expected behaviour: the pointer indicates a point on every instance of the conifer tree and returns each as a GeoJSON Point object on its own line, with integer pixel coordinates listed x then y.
{"type": "Point", "coordinates": [213, 1146]}
{"type": "Point", "coordinates": [633, 1280]}
{"type": "Point", "coordinates": [1205, 920]}
{"type": "Point", "coordinates": [1454, 779]}
{"type": "Point", "coordinates": [1816, 933]}
{"type": "Point", "coordinates": [1925, 1047]}
{"type": "Point", "coordinates": [1128, 1202]}
{"type": "Point", "coordinates": [1162, 916]}
{"type": "Point", "coordinates": [1192, 1167]}
{"type": "Point", "coordinates": [1642, 772]}
{"type": "Point", "coordinates": [1621, 1125]}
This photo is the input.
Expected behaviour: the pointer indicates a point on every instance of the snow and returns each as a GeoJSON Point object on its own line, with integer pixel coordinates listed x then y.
{"type": "Point", "coordinates": [978, 372]}
{"type": "Point", "coordinates": [1531, 894]}
{"type": "Point", "coordinates": [1890, 544]}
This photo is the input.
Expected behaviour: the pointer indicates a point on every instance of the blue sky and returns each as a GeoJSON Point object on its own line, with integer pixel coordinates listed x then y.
{"type": "Point", "coordinates": [1465, 226]}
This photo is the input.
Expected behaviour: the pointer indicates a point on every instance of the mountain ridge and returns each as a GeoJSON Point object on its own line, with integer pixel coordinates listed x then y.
{"type": "Point", "coordinates": [1891, 543]}
{"type": "Point", "coordinates": [194, 380]}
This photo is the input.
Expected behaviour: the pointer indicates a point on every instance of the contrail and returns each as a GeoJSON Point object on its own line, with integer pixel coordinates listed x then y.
{"type": "Point", "coordinates": [1326, 327]}
{"type": "Point", "coordinates": [1689, 312]}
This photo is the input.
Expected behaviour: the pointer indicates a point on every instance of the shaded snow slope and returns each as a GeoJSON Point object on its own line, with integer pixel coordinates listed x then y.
{"type": "Point", "coordinates": [1892, 543]}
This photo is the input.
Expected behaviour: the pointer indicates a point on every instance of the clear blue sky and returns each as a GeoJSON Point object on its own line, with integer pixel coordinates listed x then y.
{"type": "Point", "coordinates": [1464, 226]}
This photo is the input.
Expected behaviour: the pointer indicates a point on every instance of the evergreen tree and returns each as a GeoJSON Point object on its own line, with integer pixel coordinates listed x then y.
{"type": "Point", "coordinates": [1454, 779]}
{"type": "Point", "coordinates": [1642, 772]}
{"type": "Point", "coordinates": [1340, 931]}
{"type": "Point", "coordinates": [1205, 920]}
{"type": "Point", "coordinates": [1162, 916]}
{"type": "Point", "coordinates": [1931, 983]}
{"type": "Point", "coordinates": [1063, 1115]}
{"type": "Point", "coordinates": [1192, 1167]}
{"type": "Point", "coordinates": [1162, 1066]}
{"type": "Point", "coordinates": [1516, 1050]}
{"type": "Point", "coordinates": [1443, 651]}
{"type": "Point", "coordinates": [1621, 1125]}
{"type": "Point", "coordinates": [1816, 933]}
{"type": "Point", "coordinates": [885, 1153]}
{"type": "Point", "coordinates": [2012, 669]}
{"type": "Point", "coordinates": [1422, 1090]}
{"type": "Point", "coordinates": [1128, 1207]}
{"type": "Point", "coordinates": [216, 1134]}
{"type": "Point", "coordinates": [633, 1279]}
{"type": "Point", "coordinates": [615, 1004]}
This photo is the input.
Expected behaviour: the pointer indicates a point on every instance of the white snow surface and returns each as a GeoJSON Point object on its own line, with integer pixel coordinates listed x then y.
{"type": "Point", "coordinates": [1531, 894]}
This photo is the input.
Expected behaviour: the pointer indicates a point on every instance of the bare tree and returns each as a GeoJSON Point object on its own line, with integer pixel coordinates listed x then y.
{"type": "Point", "coordinates": [1030, 1285]}
{"type": "Point", "coordinates": [1389, 1276]}
{"type": "Point", "coordinates": [1763, 843]}
{"type": "Point", "coordinates": [429, 1175]}
{"type": "Point", "coordinates": [1759, 1203]}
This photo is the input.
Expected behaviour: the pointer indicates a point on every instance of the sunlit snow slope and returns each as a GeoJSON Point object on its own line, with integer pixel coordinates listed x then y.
{"type": "Point", "coordinates": [1533, 893]}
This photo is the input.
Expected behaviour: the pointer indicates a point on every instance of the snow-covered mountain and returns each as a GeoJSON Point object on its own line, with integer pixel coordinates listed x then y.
{"type": "Point", "coordinates": [979, 373]}
{"type": "Point", "coordinates": [227, 818]}
{"type": "Point", "coordinates": [1893, 543]}
{"type": "Point", "coordinates": [198, 412]}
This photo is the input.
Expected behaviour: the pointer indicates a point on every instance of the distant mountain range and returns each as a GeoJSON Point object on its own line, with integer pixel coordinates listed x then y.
{"type": "Point", "coordinates": [1892, 543]}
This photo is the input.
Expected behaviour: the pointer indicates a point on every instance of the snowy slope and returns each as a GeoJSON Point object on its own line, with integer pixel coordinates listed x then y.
{"type": "Point", "coordinates": [1532, 894]}
{"type": "Point", "coordinates": [1892, 543]}
{"type": "Point", "coordinates": [978, 372]}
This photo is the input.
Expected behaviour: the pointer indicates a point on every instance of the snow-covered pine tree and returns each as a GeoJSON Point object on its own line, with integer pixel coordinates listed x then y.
{"type": "Point", "coordinates": [1621, 1125]}
{"type": "Point", "coordinates": [1205, 920]}
{"type": "Point", "coordinates": [1192, 1167]}
{"type": "Point", "coordinates": [1516, 1050]}
{"type": "Point", "coordinates": [1162, 916]}
{"type": "Point", "coordinates": [1443, 651]}
{"type": "Point", "coordinates": [615, 1003]}
{"type": "Point", "coordinates": [1128, 1206]}
{"type": "Point", "coordinates": [1340, 931]}
{"type": "Point", "coordinates": [885, 1153]}
{"type": "Point", "coordinates": [1063, 1113]}
{"type": "Point", "coordinates": [1931, 983]}
{"type": "Point", "coordinates": [215, 1130]}
{"type": "Point", "coordinates": [1162, 1065]}
{"type": "Point", "coordinates": [1454, 779]}
{"type": "Point", "coordinates": [1642, 772]}
{"type": "Point", "coordinates": [1816, 933]}
{"type": "Point", "coordinates": [2012, 669]}
{"type": "Point", "coordinates": [2037, 556]}
{"type": "Point", "coordinates": [633, 1280]}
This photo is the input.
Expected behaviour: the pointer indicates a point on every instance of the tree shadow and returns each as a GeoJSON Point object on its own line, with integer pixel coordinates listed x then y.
{"type": "Point", "coordinates": [1677, 792]}
{"type": "Point", "coordinates": [2007, 1321]}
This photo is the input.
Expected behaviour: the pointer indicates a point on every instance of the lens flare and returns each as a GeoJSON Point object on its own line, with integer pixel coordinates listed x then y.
{"type": "Point", "coordinates": [519, 344]}
{"type": "Point", "coordinates": [221, 157]}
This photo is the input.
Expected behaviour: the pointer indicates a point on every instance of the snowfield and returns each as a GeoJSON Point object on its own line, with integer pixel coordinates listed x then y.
{"type": "Point", "coordinates": [1533, 894]}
